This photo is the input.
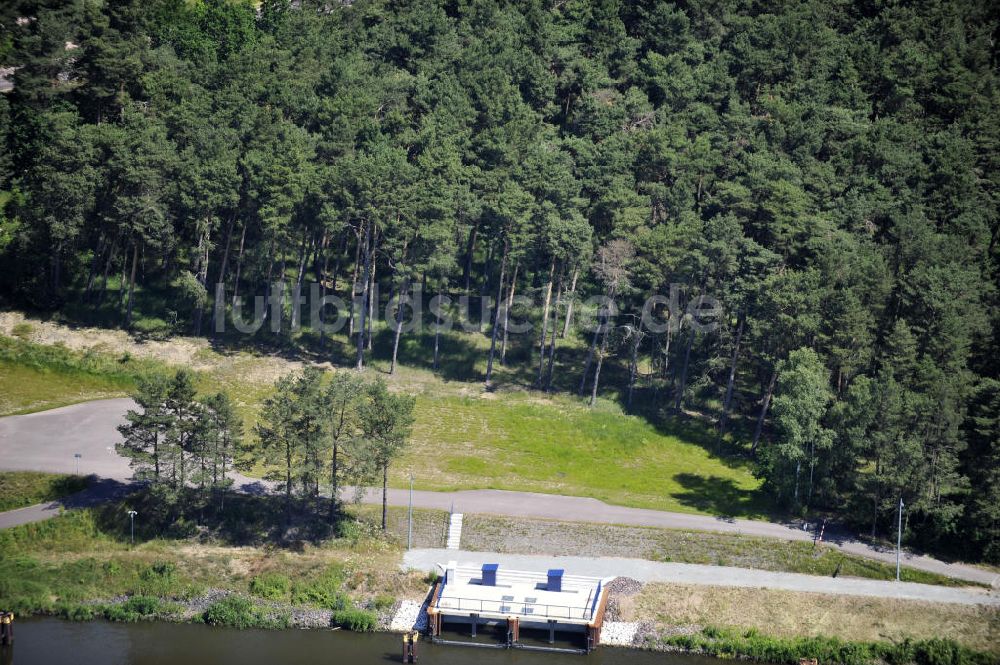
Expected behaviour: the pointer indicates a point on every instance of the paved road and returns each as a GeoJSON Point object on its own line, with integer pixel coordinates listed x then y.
{"type": "Point", "coordinates": [685, 573]}
{"type": "Point", "coordinates": [48, 440]}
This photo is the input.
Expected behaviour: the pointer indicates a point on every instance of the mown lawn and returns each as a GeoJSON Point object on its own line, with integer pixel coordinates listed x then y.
{"type": "Point", "coordinates": [26, 389]}
{"type": "Point", "coordinates": [521, 441]}
{"type": "Point", "coordinates": [26, 488]}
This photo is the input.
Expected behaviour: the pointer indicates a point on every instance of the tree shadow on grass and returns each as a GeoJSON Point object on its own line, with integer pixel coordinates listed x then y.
{"type": "Point", "coordinates": [228, 518]}
{"type": "Point", "coordinates": [720, 496]}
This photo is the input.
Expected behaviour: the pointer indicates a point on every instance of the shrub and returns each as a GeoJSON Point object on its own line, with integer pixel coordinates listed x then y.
{"type": "Point", "coordinates": [271, 586]}
{"type": "Point", "coordinates": [353, 531]}
{"type": "Point", "coordinates": [361, 621]}
{"type": "Point", "coordinates": [383, 601]}
{"type": "Point", "coordinates": [134, 609]}
{"type": "Point", "coordinates": [324, 591]}
{"type": "Point", "coordinates": [151, 328]}
{"type": "Point", "coordinates": [239, 612]}
{"type": "Point", "coordinates": [157, 579]}
{"type": "Point", "coordinates": [753, 646]}
{"type": "Point", "coordinates": [22, 330]}
{"type": "Point", "coordinates": [74, 612]}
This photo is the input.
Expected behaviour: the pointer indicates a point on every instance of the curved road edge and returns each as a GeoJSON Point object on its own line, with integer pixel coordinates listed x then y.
{"type": "Point", "coordinates": [49, 440]}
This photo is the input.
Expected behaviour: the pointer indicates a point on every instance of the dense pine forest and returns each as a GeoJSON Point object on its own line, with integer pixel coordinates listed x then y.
{"type": "Point", "coordinates": [828, 171]}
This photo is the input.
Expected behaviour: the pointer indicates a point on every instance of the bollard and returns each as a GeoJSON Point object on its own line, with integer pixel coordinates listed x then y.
{"type": "Point", "coordinates": [552, 631]}
{"type": "Point", "coordinates": [413, 646]}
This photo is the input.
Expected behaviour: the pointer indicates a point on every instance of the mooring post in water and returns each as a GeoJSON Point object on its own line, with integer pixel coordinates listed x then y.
{"type": "Point", "coordinates": [410, 647]}
{"type": "Point", "coordinates": [552, 631]}
{"type": "Point", "coordinates": [6, 628]}
{"type": "Point", "coordinates": [475, 620]}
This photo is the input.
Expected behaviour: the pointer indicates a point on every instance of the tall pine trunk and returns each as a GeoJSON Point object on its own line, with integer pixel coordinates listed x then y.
{"type": "Point", "coordinates": [397, 323]}
{"type": "Point", "coordinates": [545, 322]}
{"type": "Point", "coordinates": [202, 276]}
{"type": "Point", "coordinates": [552, 335]}
{"type": "Point", "coordinates": [679, 397]}
{"type": "Point", "coordinates": [364, 297]}
{"type": "Point", "coordinates": [372, 301]}
{"type": "Point", "coordinates": [354, 283]}
{"type": "Point", "coordinates": [633, 366]}
{"type": "Point", "coordinates": [765, 403]}
{"type": "Point", "coordinates": [131, 284]}
{"type": "Point", "coordinates": [239, 265]}
{"type": "Point", "coordinates": [600, 361]}
{"type": "Point", "coordinates": [590, 355]}
{"type": "Point", "coordinates": [734, 359]}
{"type": "Point", "coordinates": [506, 314]}
{"type": "Point", "coordinates": [437, 338]}
{"type": "Point", "coordinates": [95, 261]}
{"type": "Point", "coordinates": [470, 251]}
{"type": "Point", "coordinates": [496, 316]}
{"type": "Point", "coordinates": [569, 302]}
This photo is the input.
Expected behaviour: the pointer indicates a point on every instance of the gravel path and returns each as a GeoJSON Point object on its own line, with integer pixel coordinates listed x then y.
{"type": "Point", "coordinates": [686, 573]}
{"type": "Point", "coordinates": [48, 441]}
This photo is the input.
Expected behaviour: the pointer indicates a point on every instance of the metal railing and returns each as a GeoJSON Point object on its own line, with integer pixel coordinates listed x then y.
{"type": "Point", "coordinates": [510, 607]}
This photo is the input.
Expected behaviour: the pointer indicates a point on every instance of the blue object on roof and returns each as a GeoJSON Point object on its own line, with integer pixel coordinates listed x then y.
{"type": "Point", "coordinates": [490, 574]}
{"type": "Point", "coordinates": [555, 579]}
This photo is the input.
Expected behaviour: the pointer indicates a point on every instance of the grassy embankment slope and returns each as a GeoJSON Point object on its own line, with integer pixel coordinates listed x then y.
{"type": "Point", "coordinates": [80, 566]}
{"type": "Point", "coordinates": [463, 438]}
{"type": "Point", "coordinates": [789, 615]}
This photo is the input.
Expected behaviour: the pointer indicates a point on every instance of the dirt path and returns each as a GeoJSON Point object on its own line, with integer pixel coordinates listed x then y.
{"type": "Point", "coordinates": [49, 440]}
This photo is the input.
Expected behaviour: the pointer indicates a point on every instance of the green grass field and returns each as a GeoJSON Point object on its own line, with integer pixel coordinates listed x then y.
{"type": "Point", "coordinates": [26, 488]}
{"type": "Point", "coordinates": [523, 441]}
{"type": "Point", "coordinates": [27, 389]}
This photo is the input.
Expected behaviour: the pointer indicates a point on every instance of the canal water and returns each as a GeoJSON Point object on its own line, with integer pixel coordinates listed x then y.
{"type": "Point", "coordinates": [44, 641]}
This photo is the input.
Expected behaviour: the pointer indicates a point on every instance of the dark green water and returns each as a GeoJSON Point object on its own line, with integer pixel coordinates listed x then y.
{"type": "Point", "coordinates": [55, 642]}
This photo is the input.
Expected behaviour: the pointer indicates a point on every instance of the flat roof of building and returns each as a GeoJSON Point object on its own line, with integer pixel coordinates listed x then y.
{"type": "Point", "coordinates": [519, 593]}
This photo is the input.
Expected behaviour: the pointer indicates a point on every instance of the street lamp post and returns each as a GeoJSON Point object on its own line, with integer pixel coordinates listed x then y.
{"type": "Point", "coordinates": [77, 456]}
{"type": "Point", "coordinates": [131, 516]}
{"type": "Point", "coordinates": [409, 531]}
{"type": "Point", "coordinates": [899, 536]}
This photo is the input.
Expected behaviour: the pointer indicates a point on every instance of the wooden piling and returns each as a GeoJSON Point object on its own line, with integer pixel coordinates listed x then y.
{"type": "Point", "coordinates": [513, 631]}
{"type": "Point", "coordinates": [6, 628]}
{"type": "Point", "coordinates": [597, 622]}
{"type": "Point", "coordinates": [433, 613]}
{"type": "Point", "coordinates": [410, 647]}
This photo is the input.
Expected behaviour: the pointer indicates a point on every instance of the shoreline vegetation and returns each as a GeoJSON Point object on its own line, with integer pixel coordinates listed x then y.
{"type": "Point", "coordinates": [222, 568]}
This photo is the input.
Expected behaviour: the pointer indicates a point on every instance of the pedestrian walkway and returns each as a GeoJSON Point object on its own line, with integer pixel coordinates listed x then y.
{"type": "Point", "coordinates": [427, 560]}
